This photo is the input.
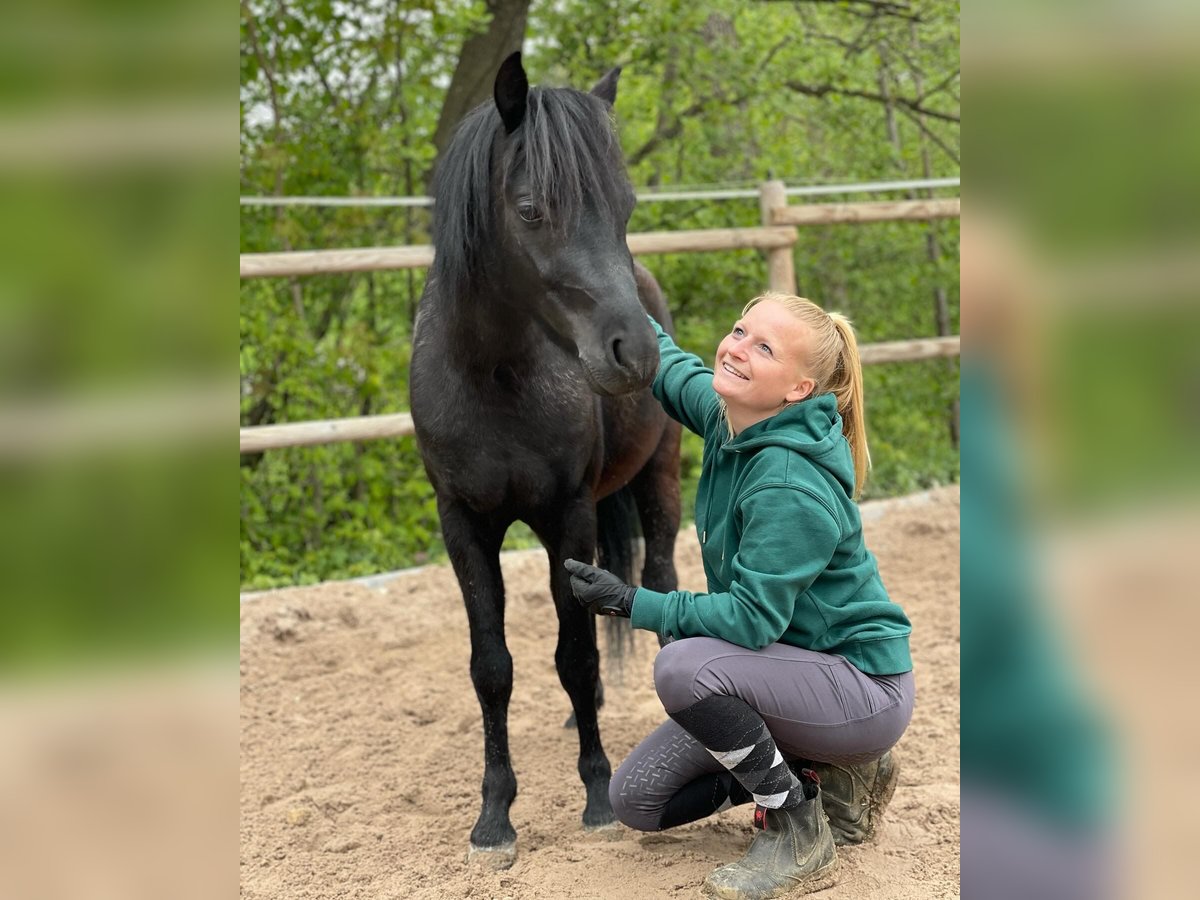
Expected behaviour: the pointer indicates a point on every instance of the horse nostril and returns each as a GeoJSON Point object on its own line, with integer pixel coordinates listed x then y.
{"type": "Point", "coordinates": [616, 352]}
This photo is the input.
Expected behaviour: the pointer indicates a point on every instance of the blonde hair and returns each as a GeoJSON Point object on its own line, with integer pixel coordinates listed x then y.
{"type": "Point", "coordinates": [832, 362]}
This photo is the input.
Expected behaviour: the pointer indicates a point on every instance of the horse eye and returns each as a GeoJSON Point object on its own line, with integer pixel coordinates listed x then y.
{"type": "Point", "coordinates": [529, 213]}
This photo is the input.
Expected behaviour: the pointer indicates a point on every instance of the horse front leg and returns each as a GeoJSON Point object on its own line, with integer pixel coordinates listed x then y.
{"type": "Point", "coordinates": [656, 493]}
{"type": "Point", "coordinates": [473, 544]}
{"type": "Point", "coordinates": [573, 536]}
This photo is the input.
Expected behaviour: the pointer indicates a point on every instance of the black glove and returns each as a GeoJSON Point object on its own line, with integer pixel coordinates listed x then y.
{"type": "Point", "coordinates": [603, 593]}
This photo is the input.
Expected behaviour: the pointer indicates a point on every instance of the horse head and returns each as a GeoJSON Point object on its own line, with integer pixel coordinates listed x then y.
{"type": "Point", "coordinates": [554, 214]}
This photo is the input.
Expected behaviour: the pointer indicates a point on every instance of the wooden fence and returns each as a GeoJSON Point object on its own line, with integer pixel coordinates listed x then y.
{"type": "Point", "coordinates": [777, 236]}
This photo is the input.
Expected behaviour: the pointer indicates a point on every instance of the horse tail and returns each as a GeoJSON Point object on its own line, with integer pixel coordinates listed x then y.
{"type": "Point", "coordinates": [616, 531]}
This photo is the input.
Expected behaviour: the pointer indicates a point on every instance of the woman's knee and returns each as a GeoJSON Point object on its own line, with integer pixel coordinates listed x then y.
{"type": "Point", "coordinates": [626, 808]}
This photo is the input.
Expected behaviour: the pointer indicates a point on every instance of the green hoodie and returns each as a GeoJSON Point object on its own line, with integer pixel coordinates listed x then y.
{"type": "Point", "coordinates": [780, 536]}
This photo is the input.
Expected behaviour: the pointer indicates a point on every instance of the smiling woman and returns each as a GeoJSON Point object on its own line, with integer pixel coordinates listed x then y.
{"type": "Point", "coordinates": [787, 683]}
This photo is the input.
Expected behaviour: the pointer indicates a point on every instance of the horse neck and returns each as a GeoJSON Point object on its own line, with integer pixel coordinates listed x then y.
{"type": "Point", "coordinates": [491, 323]}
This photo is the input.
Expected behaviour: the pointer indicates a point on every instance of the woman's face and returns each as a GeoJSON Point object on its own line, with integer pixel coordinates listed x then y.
{"type": "Point", "coordinates": [760, 363]}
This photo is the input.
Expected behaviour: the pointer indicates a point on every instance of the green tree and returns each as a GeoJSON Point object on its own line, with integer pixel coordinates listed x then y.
{"type": "Point", "coordinates": [351, 98]}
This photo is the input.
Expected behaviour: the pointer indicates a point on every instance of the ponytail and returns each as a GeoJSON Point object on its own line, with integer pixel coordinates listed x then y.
{"type": "Point", "coordinates": [846, 385]}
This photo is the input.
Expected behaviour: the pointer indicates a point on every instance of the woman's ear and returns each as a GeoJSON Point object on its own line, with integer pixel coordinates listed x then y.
{"type": "Point", "coordinates": [802, 389]}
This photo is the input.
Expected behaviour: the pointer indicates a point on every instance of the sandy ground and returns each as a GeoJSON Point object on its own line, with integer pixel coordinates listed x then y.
{"type": "Point", "coordinates": [362, 742]}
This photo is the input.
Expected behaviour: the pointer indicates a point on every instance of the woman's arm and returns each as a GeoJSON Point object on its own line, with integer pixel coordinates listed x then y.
{"type": "Point", "coordinates": [788, 538]}
{"type": "Point", "coordinates": [683, 385]}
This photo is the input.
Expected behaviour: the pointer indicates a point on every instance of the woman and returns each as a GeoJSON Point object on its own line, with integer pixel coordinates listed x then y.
{"type": "Point", "coordinates": [789, 681]}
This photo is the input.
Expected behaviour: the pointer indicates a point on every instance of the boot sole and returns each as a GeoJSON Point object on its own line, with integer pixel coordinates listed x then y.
{"type": "Point", "coordinates": [880, 799]}
{"type": "Point", "coordinates": [820, 880]}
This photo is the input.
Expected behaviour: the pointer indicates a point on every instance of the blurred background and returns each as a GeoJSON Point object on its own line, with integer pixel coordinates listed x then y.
{"type": "Point", "coordinates": [118, 729]}
{"type": "Point", "coordinates": [1080, 445]}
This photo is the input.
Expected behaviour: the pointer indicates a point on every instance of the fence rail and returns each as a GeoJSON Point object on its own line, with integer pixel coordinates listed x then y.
{"type": "Point", "coordinates": [834, 213]}
{"type": "Point", "coordinates": [643, 196]}
{"type": "Point", "coordinates": [375, 259]}
{"type": "Point", "coordinates": [777, 235]}
{"type": "Point", "coordinates": [366, 428]}
{"type": "Point", "coordinates": [325, 431]}
{"type": "Point", "coordinates": [317, 262]}
{"type": "Point", "coordinates": [908, 351]}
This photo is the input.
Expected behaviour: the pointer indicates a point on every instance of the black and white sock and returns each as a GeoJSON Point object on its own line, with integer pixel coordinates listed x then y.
{"type": "Point", "coordinates": [738, 739]}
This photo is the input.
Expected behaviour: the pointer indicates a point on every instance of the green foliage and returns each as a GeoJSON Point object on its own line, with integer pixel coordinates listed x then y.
{"type": "Point", "coordinates": [344, 98]}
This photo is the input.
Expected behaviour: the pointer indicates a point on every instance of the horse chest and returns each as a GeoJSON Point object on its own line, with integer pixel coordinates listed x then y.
{"type": "Point", "coordinates": [500, 446]}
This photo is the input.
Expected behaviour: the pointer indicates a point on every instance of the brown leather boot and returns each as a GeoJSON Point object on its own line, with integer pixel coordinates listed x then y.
{"type": "Point", "coordinates": [794, 852]}
{"type": "Point", "coordinates": [856, 796]}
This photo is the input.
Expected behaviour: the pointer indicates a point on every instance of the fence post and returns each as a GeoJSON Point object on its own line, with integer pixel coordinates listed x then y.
{"type": "Point", "coordinates": [781, 275]}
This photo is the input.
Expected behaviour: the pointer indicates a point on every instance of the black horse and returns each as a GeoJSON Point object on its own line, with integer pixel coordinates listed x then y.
{"type": "Point", "coordinates": [531, 359]}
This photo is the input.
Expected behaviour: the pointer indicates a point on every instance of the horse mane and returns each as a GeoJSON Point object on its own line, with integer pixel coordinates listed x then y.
{"type": "Point", "coordinates": [566, 145]}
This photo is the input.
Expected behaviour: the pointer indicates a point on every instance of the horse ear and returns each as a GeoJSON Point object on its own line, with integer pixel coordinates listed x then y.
{"type": "Point", "coordinates": [606, 87]}
{"type": "Point", "coordinates": [512, 87]}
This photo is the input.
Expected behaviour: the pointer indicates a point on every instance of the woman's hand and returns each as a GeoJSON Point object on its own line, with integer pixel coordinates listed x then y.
{"type": "Point", "coordinates": [603, 593]}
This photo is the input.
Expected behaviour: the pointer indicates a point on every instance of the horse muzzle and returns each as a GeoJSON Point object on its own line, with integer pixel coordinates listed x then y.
{"type": "Point", "coordinates": [623, 367]}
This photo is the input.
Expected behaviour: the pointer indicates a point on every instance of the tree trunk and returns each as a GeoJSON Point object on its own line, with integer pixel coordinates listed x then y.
{"type": "Point", "coordinates": [477, 64]}
{"type": "Point", "coordinates": [933, 251]}
{"type": "Point", "coordinates": [941, 309]}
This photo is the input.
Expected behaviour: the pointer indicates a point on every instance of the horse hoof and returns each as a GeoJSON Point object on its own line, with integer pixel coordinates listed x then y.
{"type": "Point", "coordinates": [495, 858]}
{"type": "Point", "coordinates": [610, 830]}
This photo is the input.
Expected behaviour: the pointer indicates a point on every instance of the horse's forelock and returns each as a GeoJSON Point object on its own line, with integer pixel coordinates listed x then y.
{"type": "Point", "coordinates": [567, 148]}
{"type": "Point", "coordinates": [566, 145]}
